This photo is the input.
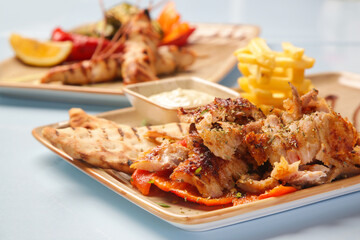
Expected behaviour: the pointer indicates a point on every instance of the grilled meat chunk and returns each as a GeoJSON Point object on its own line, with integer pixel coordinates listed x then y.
{"type": "Point", "coordinates": [211, 175]}
{"type": "Point", "coordinates": [221, 125]}
{"type": "Point", "coordinates": [166, 156]}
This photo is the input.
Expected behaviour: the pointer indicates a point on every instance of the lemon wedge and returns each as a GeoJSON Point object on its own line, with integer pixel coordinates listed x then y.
{"type": "Point", "coordinates": [37, 53]}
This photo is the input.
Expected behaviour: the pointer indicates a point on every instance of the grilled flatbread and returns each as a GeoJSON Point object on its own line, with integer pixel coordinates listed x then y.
{"type": "Point", "coordinates": [105, 144]}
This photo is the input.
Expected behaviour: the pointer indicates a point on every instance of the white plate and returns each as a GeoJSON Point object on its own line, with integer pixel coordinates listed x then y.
{"type": "Point", "coordinates": [214, 45]}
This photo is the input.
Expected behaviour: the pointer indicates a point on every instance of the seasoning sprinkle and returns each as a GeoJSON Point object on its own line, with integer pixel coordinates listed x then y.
{"type": "Point", "coordinates": [144, 123]}
{"type": "Point", "coordinates": [205, 111]}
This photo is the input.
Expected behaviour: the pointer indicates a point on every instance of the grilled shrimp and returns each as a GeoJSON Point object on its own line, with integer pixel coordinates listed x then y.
{"type": "Point", "coordinates": [86, 72]}
{"type": "Point", "coordinates": [140, 49]}
{"type": "Point", "coordinates": [141, 60]}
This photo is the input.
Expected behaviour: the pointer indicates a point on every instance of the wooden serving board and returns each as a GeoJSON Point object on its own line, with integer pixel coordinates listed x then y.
{"type": "Point", "coordinates": [195, 217]}
{"type": "Point", "coordinates": [214, 45]}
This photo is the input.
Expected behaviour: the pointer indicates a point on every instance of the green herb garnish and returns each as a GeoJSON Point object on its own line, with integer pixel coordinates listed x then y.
{"type": "Point", "coordinates": [144, 123]}
{"type": "Point", "coordinates": [205, 111]}
{"type": "Point", "coordinates": [198, 170]}
{"type": "Point", "coordinates": [238, 195]}
{"type": "Point", "coordinates": [151, 181]}
{"type": "Point", "coordinates": [163, 205]}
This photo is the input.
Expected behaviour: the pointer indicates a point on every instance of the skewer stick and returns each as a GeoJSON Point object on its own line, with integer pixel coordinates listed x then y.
{"type": "Point", "coordinates": [162, 2]}
{"type": "Point", "coordinates": [26, 78]}
{"type": "Point", "coordinates": [101, 42]}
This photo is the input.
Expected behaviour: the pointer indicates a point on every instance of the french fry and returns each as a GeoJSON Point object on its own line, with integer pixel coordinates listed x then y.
{"type": "Point", "coordinates": [292, 51]}
{"type": "Point", "coordinates": [287, 62]}
{"type": "Point", "coordinates": [262, 52]}
{"type": "Point", "coordinates": [246, 58]}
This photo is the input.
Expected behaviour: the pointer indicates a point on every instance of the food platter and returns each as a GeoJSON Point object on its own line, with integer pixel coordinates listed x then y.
{"type": "Point", "coordinates": [214, 45]}
{"type": "Point", "coordinates": [194, 217]}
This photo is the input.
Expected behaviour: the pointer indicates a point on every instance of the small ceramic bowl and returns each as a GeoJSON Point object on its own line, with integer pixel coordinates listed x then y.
{"type": "Point", "coordinates": [155, 113]}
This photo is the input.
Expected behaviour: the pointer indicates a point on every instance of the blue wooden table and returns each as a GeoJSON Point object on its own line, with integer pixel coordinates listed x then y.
{"type": "Point", "coordinates": [44, 197]}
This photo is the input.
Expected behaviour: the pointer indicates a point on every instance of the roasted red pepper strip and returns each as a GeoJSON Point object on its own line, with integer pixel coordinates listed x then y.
{"type": "Point", "coordinates": [179, 37]}
{"type": "Point", "coordinates": [277, 191]}
{"type": "Point", "coordinates": [83, 46]}
{"type": "Point", "coordinates": [141, 179]}
{"type": "Point", "coordinates": [175, 32]}
{"type": "Point", "coordinates": [246, 199]}
{"type": "Point", "coordinates": [183, 142]}
{"type": "Point", "coordinates": [168, 17]}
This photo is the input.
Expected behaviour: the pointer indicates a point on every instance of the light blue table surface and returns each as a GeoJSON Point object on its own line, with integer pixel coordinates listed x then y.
{"type": "Point", "coordinates": [44, 197]}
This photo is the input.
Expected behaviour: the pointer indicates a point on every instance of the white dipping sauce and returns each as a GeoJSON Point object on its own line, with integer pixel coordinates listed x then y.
{"type": "Point", "coordinates": [182, 98]}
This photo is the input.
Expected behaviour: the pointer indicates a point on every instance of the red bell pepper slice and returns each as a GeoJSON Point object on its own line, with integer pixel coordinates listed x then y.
{"type": "Point", "coordinates": [175, 32]}
{"type": "Point", "coordinates": [141, 179]}
{"type": "Point", "coordinates": [83, 46]}
{"type": "Point", "coordinates": [277, 191]}
{"type": "Point", "coordinates": [179, 35]}
{"type": "Point", "coordinates": [246, 199]}
{"type": "Point", "coordinates": [168, 17]}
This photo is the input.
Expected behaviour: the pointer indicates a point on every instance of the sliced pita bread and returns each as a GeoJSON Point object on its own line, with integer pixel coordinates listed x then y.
{"type": "Point", "coordinates": [105, 144]}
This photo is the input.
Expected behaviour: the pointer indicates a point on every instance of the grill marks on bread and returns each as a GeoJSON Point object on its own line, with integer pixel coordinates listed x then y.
{"type": "Point", "coordinates": [105, 144]}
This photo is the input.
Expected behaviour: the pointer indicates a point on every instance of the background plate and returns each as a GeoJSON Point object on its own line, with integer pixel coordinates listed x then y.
{"type": "Point", "coordinates": [214, 45]}
{"type": "Point", "coordinates": [194, 217]}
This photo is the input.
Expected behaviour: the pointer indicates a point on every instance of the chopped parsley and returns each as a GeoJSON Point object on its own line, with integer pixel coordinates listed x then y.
{"type": "Point", "coordinates": [204, 111]}
{"type": "Point", "coordinates": [198, 170]}
{"type": "Point", "coordinates": [163, 205]}
{"type": "Point", "coordinates": [238, 195]}
{"type": "Point", "coordinates": [271, 139]}
{"type": "Point", "coordinates": [151, 181]}
{"type": "Point", "coordinates": [144, 123]}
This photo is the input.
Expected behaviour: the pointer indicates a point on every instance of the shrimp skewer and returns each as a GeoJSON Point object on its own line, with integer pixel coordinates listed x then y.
{"type": "Point", "coordinates": [141, 60]}
{"type": "Point", "coordinates": [140, 49]}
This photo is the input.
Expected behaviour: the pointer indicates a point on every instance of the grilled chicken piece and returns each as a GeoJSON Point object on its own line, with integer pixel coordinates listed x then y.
{"type": "Point", "coordinates": [290, 174]}
{"type": "Point", "coordinates": [248, 184]}
{"type": "Point", "coordinates": [211, 175]}
{"type": "Point", "coordinates": [315, 136]}
{"type": "Point", "coordinates": [238, 110]}
{"type": "Point", "coordinates": [307, 132]}
{"type": "Point", "coordinates": [166, 156]}
{"type": "Point", "coordinates": [221, 125]}
{"type": "Point", "coordinates": [166, 133]}
{"type": "Point", "coordinates": [306, 104]}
